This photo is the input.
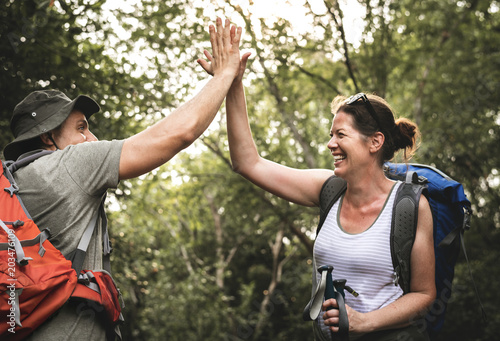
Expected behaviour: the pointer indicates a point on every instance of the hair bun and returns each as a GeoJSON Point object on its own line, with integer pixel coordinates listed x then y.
{"type": "Point", "coordinates": [404, 135]}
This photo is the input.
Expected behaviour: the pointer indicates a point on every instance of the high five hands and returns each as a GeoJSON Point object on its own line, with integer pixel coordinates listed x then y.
{"type": "Point", "coordinates": [225, 56]}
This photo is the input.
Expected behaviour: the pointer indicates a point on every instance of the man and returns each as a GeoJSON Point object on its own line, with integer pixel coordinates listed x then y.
{"type": "Point", "coordinates": [64, 189]}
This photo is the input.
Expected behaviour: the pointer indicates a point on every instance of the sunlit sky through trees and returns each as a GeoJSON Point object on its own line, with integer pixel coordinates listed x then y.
{"type": "Point", "coordinates": [268, 10]}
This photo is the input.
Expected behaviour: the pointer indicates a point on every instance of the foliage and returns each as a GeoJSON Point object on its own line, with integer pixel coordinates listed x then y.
{"type": "Point", "coordinates": [199, 252]}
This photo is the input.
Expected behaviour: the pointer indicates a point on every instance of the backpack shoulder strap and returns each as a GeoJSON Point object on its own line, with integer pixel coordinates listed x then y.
{"type": "Point", "coordinates": [403, 228]}
{"type": "Point", "coordinates": [77, 256]}
{"type": "Point", "coordinates": [9, 167]}
{"type": "Point", "coordinates": [330, 192]}
{"type": "Point", "coordinates": [27, 159]}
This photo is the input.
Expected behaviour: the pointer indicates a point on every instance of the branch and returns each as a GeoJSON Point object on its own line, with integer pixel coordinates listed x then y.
{"type": "Point", "coordinates": [184, 253]}
{"type": "Point", "coordinates": [222, 261]}
{"type": "Point", "coordinates": [340, 26]}
{"type": "Point", "coordinates": [219, 265]}
{"type": "Point", "coordinates": [217, 151]}
{"type": "Point", "coordinates": [304, 239]}
{"type": "Point", "coordinates": [318, 77]}
{"type": "Point", "coordinates": [276, 93]}
{"type": "Point", "coordinates": [275, 278]}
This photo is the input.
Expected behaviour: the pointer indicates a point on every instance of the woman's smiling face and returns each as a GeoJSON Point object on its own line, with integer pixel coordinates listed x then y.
{"type": "Point", "coordinates": [347, 145]}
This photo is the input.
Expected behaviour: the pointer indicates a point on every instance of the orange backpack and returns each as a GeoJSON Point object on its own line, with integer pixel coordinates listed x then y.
{"type": "Point", "coordinates": [36, 280]}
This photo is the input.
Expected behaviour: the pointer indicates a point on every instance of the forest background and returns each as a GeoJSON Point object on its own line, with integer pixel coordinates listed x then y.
{"type": "Point", "coordinates": [199, 252]}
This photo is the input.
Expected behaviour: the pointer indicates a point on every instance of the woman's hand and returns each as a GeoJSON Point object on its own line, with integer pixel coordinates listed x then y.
{"type": "Point", "coordinates": [331, 318]}
{"type": "Point", "coordinates": [241, 69]}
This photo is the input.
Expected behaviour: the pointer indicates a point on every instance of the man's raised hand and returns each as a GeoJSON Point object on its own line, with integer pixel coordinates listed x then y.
{"type": "Point", "coordinates": [225, 56]}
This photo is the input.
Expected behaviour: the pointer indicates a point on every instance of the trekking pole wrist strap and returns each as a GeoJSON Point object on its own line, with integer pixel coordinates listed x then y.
{"type": "Point", "coordinates": [343, 332]}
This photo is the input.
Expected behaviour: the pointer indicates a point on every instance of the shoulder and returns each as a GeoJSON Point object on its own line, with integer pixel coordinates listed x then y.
{"type": "Point", "coordinates": [424, 214]}
{"type": "Point", "coordinates": [85, 157]}
{"type": "Point", "coordinates": [424, 206]}
{"type": "Point", "coordinates": [99, 149]}
{"type": "Point", "coordinates": [332, 186]}
{"type": "Point", "coordinates": [92, 166]}
{"type": "Point", "coordinates": [424, 203]}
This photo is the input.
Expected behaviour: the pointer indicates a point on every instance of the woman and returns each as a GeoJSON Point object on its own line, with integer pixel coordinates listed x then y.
{"type": "Point", "coordinates": [364, 134]}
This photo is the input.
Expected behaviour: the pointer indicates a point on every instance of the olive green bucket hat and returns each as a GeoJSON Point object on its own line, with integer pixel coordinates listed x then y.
{"type": "Point", "coordinates": [40, 112]}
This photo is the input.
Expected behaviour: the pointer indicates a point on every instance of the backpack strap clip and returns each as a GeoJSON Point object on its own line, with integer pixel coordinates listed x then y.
{"type": "Point", "coordinates": [467, 218]}
{"type": "Point", "coordinates": [87, 278]}
{"type": "Point", "coordinates": [13, 189]}
{"type": "Point", "coordinates": [21, 259]}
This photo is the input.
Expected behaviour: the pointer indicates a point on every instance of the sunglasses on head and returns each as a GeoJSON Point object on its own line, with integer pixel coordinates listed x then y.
{"type": "Point", "coordinates": [362, 99]}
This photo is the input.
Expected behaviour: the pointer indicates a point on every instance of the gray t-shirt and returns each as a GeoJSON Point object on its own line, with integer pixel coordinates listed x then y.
{"type": "Point", "coordinates": [62, 191]}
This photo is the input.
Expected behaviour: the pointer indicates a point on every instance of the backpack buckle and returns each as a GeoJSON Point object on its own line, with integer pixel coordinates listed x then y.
{"type": "Point", "coordinates": [13, 189]}
{"type": "Point", "coordinates": [396, 278]}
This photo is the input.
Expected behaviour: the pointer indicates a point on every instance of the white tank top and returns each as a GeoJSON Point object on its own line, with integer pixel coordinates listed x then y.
{"type": "Point", "coordinates": [363, 259]}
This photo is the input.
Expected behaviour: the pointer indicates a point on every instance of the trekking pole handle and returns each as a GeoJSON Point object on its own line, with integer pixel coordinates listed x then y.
{"type": "Point", "coordinates": [329, 290]}
{"type": "Point", "coordinates": [335, 289]}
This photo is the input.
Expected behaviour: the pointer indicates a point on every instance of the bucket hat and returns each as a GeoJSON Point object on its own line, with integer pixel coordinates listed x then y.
{"type": "Point", "coordinates": [40, 112]}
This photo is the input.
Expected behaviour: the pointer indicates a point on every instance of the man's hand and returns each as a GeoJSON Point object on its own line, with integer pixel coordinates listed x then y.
{"type": "Point", "coordinates": [225, 57]}
{"type": "Point", "coordinates": [153, 147]}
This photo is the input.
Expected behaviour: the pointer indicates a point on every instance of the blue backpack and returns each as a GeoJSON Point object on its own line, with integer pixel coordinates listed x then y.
{"type": "Point", "coordinates": [451, 212]}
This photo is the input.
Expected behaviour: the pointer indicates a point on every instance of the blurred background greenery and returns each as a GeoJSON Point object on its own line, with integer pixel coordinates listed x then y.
{"type": "Point", "coordinates": [200, 253]}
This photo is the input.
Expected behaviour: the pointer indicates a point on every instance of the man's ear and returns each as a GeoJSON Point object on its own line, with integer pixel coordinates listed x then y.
{"type": "Point", "coordinates": [47, 140]}
{"type": "Point", "coordinates": [377, 141]}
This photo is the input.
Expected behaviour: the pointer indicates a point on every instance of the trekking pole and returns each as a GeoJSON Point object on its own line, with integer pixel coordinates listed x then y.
{"type": "Point", "coordinates": [329, 289]}
{"type": "Point", "coordinates": [335, 289]}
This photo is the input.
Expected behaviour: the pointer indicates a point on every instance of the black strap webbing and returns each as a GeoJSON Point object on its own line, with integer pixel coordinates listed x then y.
{"type": "Point", "coordinates": [26, 159]}
{"type": "Point", "coordinates": [343, 333]}
{"type": "Point", "coordinates": [78, 256]}
{"type": "Point", "coordinates": [330, 192]}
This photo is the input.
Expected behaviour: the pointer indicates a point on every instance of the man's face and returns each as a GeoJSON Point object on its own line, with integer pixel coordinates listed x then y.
{"type": "Point", "coordinates": [73, 131]}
